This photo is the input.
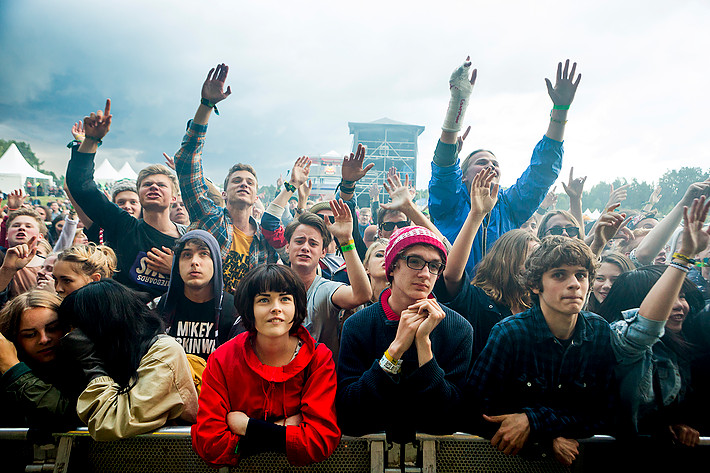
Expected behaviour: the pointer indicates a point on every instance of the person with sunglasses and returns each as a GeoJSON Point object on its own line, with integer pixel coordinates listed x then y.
{"type": "Point", "coordinates": [404, 359]}
{"type": "Point", "coordinates": [558, 222]}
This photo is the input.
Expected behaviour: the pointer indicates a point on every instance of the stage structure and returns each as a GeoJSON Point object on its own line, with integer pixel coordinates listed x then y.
{"type": "Point", "coordinates": [389, 143]}
{"type": "Point", "coordinates": [325, 174]}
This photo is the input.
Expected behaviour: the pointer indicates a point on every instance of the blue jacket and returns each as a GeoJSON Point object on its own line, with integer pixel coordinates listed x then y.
{"type": "Point", "coordinates": [450, 203]}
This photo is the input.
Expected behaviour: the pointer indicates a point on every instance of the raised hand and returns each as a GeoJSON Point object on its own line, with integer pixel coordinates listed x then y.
{"type": "Point", "coordinates": [400, 197]}
{"type": "Point", "coordinates": [16, 199]}
{"type": "Point", "coordinates": [617, 196]}
{"type": "Point", "coordinates": [342, 227]}
{"type": "Point", "coordinates": [696, 190]}
{"type": "Point", "coordinates": [352, 170]}
{"type": "Point", "coordinates": [8, 354]}
{"type": "Point", "coordinates": [279, 182]}
{"type": "Point", "coordinates": [460, 87]}
{"type": "Point", "coordinates": [655, 196]}
{"type": "Point", "coordinates": [304, 190]}
{"type": "Point", "coordinates": [19, 256]}
{"type": "Point", "coordinates": [550, 199]}
{"type": "Point", "coordinates": [607, 226]}
{"type": "Point", "coordinates": [562, 94]}
{"type": "Point", "coordinates": [300, 171]}
{"type": "Point", "coordinates": [97, 125]}
{"type": "Point", "coordinates": [484, 193]}
{"type": "Point", "coordinates": [374, 192]}
{"type": "Point", "coordinates": [213, 87]}
{"type": "Point", "coordinates": [575, 186]}
{"type": "Point", "coordinates": [461, 139]}
{"type": "Point", "coordinates": [169, 161]}
{"type": "Point", "coordinates": [77, 131]}
{"type": "Point", "coordinates": [695, 239]}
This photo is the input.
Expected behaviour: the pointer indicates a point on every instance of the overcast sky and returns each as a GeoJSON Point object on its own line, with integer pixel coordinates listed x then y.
{"type": "Point", "coordinates": [299, 71]}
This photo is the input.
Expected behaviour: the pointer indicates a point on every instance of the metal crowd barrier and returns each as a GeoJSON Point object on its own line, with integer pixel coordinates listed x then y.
{"type": "Point", "coordinates": [169, 449]}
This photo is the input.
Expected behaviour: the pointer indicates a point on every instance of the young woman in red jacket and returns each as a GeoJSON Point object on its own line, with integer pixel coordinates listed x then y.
{"type": "Point", "coordinates": [271, 388]}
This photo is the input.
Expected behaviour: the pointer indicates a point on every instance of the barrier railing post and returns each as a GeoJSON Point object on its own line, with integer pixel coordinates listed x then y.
{"type": "Point", "coordinates": [61, 464]}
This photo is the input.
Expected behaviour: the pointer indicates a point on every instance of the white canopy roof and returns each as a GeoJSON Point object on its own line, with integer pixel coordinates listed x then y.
{"type": "Point", "coordinates": [105, 173]}
{"type": "Point", "coordinates": [14, 170]}
{"type": "Point", "coordinates": [127, 172]}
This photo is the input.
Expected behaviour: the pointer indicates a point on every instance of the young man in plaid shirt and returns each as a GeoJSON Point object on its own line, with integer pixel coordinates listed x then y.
{"type": "Point", "coordinates": [546, 374]}
{"type": "Point", "coordinates": [242, 245]}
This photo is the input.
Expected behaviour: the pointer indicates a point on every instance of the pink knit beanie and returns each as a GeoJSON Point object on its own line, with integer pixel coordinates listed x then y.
{"type": "Point", "coordinates": [405, 237]}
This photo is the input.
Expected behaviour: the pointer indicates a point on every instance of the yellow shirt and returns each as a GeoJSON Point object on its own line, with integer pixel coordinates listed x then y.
{"type": "Point", "coordinates": [236, 264]}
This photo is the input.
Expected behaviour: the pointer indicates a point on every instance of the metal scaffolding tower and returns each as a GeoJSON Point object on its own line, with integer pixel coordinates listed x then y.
{"type": "Point", "coordinates": [389, 143]}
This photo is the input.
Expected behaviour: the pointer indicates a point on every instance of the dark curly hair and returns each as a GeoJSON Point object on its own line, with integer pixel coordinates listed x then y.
{"type": "Point", "coordinates": [555, 251]}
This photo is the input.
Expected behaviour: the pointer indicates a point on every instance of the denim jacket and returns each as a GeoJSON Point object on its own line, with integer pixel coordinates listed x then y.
{"type": "Point", "coordinates": [640, 352]}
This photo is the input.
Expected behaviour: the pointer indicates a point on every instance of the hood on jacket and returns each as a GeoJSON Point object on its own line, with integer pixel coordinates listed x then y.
{"type": "Point", "coordinates": [176, 287]}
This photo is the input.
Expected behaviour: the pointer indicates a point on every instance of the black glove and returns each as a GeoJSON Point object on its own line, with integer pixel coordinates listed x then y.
{"type": "Point", "coordinates": [77, 346]}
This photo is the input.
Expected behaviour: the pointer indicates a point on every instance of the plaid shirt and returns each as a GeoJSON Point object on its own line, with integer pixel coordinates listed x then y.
{"type": "Point", "coordinates": [565, 391]}
{"type": "Point", "coordinates": [204, 213]}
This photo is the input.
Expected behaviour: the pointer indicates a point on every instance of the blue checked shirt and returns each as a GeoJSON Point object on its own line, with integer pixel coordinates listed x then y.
{"type": "Point", "coordinates": [204, 213]}
{"type": "Point", "coordinates": [565, 391]}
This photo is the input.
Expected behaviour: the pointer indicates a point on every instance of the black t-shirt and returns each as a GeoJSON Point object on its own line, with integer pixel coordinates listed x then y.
{"type": "Point", "coordinates": [129, 237]}
{"type": "Point", "coordinates": [193, 327]}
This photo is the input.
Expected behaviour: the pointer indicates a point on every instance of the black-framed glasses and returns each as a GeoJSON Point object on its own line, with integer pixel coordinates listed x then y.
{"type": "Point", "coordinates": [417, 263]}
{"type": "Point", "coordinates": [557, 230]}
{"type": "Point", "coordinates": [389, 226]}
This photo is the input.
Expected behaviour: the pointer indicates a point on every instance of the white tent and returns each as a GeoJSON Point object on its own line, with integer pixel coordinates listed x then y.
{"type": "Point", "coordinates": [127, 172]}
{"type": "Point", "coordinates": [15, 170]}
{"type": "Point", "coordinates": [106, 173]}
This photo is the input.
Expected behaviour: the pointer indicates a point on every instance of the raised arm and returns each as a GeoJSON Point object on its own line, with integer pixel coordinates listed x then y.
{"type": "Point", "coordinates": [659, 301]}
{"type": "Point", "coordinates": [352, 171]}
{"type": "Point", "coordinates": [484, 195]}
{"type": "Point", "coordinates": [460, 87]}
{"type": "Point", "coordinates": [359, 290]}
{"type": "Point", "coordinates": [652, 243]}
{"type": "Point", "coordinates": [212, 93]}
{"type": "Point", "coordinates": [401, 199]}
{"type": "Point", "coordinates": [562, 95]}
{"type": "Point", "coordinates": [574, 189]}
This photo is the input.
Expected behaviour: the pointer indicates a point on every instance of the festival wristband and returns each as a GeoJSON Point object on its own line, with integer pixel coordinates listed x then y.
{"type": "Point", "coordinates": [93, 138]}
{"type": "Point", "coordinates": [560, 107]}
{"type": "Point", "coordinates": [289, 187]}
{"type": "Point", "coordinates": [348, 245]}
{"type": "Point", "coordinates": [209, 104]}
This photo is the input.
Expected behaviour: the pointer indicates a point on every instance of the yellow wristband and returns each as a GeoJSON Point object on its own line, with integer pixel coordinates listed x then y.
{"type": "Point", "coordinates": [389, 357]}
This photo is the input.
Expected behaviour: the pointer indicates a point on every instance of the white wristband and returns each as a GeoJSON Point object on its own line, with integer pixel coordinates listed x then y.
{"type": "Point", "coordinates": [461, 88]}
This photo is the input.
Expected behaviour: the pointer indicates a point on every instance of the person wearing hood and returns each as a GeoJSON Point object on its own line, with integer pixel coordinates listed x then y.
{"type": "Point", "coordinates": [196, 309]}
{"type": "Point", "coordinates": [271, 388]}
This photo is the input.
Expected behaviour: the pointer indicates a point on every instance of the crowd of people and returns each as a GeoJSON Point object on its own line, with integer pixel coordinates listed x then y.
{"type": "Point", "coordinates": [279, 326]}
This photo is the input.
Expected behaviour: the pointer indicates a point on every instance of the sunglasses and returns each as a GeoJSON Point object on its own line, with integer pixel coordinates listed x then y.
{"type": "Point", "coordinates": [571, 231]}
{"type": "Point", "coordinates": [389, 226]}
{"type": "Point", "coordinates": [330, 217]}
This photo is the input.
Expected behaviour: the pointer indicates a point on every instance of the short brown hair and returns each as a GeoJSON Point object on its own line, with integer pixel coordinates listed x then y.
{"type": "Point", "coordinates": [556, 251]}
{"type": "Point", "coordinates": [24, 211]}
{"type": "Point", "coordinates": [154, 169]}
{"type": "Point", "coordinates": [240, 167]}
{"type": "Point", "coordinates": [312, 220]}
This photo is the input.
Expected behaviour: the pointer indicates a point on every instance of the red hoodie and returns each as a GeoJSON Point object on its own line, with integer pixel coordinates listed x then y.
{"type": "Point", "coordinates": [235, 380]}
